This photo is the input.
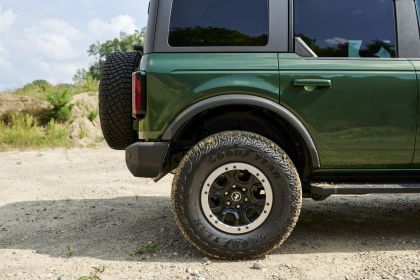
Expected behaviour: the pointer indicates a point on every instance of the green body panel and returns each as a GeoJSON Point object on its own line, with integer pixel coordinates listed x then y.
{"type": "Point", "coordinates": [416, 158]}
{"type": "Point", "coordinates": [361, 113]}
{"type": "Point", "coordinates": [177, 81]}
{"type": "Point", "coordinates": [365, 119]}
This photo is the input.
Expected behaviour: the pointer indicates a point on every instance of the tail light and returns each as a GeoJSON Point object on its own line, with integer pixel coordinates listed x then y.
{"type": "Point", "coordinates": [139, 94]}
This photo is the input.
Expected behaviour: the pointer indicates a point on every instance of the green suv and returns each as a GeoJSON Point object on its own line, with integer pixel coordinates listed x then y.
{"type": "Point", "coordinates": [254, 104]}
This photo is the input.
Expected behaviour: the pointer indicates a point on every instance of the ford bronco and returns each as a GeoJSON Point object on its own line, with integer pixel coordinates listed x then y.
{"type": "Point", "coordinates": [256, 104]}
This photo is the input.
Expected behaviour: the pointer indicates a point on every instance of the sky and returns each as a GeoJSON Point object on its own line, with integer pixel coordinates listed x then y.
{"type": "Point", "coordinates": [48, 39]}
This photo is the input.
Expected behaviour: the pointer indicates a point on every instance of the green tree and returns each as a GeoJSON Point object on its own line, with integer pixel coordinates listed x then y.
{"type": "Point", "coordinates": [100, 50]}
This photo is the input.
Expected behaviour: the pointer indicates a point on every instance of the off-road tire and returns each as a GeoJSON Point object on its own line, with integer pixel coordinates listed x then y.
{"type": "Point", "coordinates": [115, 100]}
{"type": "Point", "coordinates": [218, 150]}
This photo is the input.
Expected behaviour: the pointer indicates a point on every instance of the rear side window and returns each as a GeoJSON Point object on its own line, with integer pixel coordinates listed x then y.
{"type": "Point", "coordinates": [343, 28]}
{"type": "Point", "coordinates": [207, 23]}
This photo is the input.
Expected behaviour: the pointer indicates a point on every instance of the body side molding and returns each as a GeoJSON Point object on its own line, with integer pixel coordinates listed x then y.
{"type": "Point", "coordinates": [247, 100]}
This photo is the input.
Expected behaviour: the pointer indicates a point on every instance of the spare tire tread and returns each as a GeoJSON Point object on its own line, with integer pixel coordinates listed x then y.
{"type": "Point", "coordinates": [115, 99]}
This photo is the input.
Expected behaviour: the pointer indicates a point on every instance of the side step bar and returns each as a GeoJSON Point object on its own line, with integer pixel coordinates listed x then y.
{"type": "Point", "coordinates": [325, 189]}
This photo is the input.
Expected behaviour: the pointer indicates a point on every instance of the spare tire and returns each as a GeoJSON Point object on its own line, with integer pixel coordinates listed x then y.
{"type": "Point", "coordinates": [115, 101]}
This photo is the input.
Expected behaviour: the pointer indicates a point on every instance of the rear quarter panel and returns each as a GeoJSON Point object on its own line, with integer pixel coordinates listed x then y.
{"type": "Point", "coordinates": [177, 81]}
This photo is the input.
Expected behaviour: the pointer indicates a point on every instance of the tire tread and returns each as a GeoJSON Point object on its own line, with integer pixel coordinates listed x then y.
{"type": "Point", "coordinates": [115, 99]}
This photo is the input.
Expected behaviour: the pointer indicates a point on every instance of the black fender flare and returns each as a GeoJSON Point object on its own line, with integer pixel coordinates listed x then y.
{"type": "Point", "coordinates": [247, 100]}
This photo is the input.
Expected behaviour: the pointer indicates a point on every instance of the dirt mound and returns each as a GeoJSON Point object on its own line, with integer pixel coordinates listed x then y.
{"type": "Point", "coordinates": [85, 128]}
{"type": "Point", "coordinates": [84, 125]}
{"type": "Point", "coordinates": [12, 103]}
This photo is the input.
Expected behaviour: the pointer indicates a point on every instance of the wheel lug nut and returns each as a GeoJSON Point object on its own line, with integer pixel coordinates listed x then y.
{"type": "Point", "coordinates": [234, 186]}
{"type": "Point", "coordinates": [228, 203]}
{"type": "Point", "coordinates": [238, 206]}
{"type": "Point", "coordinates": [245, 199]}
{"type": "Point", "coordinates": [226, 193]}
{"type": "Point", "coordinates": [243, 189]}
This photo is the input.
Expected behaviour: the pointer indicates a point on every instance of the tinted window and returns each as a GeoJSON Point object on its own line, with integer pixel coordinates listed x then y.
{"type": "Point", "coordinates": [219, 23]}
{"type": "Point", "coordinates": [344, 28]}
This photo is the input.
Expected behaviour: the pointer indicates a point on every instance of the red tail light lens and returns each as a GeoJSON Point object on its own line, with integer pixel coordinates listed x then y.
{"type": "Point", "coordinates": [138, 88]}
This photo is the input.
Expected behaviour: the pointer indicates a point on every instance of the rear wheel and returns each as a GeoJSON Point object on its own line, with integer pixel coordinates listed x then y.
{"type": "Point", "coordinates": [115, 101]}
{"type": "Point", "coordinates": [236, 195]}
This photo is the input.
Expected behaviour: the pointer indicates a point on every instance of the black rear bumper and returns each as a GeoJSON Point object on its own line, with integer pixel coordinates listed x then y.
{"type": "Point", "coordinates": [146, 159]}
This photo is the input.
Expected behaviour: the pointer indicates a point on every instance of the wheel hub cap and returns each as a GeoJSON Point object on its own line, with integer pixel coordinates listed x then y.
{"type": "Point", "coordinates": [236, 198]}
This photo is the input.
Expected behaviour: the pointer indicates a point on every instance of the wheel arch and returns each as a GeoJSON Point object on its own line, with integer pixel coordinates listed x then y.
{"type": "Point", "coordinates": [244, 100]}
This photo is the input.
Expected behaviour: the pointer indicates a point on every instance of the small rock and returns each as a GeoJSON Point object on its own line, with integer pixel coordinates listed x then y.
{"type": "Point", "coordinates": [63, 278]}
{"type": "Point", "coordinates": [175, 254]}
{"type": "Point", "coordinates": [257, 265]}
{"type": "Point", "coordinates": [194, 272]}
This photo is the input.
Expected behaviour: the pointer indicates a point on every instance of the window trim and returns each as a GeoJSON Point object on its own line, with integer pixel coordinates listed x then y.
{"type": "Point", "coordinates": [417, 7]}
{"type": "Point", "coordinates": [277, 41]}
{"type": "Point", "coordinates": [397, 42]}
{"type": "Point", "coordinates": [407, 29]}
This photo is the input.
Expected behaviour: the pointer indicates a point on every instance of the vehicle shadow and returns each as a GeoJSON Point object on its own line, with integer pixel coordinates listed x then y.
{"type": "Point", "coordinates": [111, 229]}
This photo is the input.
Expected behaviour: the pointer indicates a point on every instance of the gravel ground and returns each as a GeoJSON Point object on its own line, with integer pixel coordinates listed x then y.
{"type": "Point", "coordinates": [71, 213]}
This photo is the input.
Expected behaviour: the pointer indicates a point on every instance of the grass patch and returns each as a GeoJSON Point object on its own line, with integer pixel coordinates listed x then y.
{"type": "Point", "coordinates": [90, 277]}
{"type": "Point", "coordinates": [82, 133]}
{"type": "Point", "coordinates": [23, 132]}
{"type": "Point", "coordinates": [146, 249]}
{"type": "Point", "coordinates": [100, 269]}
{"type": "Point", "coordinates": [69, 251]}
{"type": "Point", "coordinates": [93, 275]}
{"type": "Point", "coordinates": [87, 85]}
{"type": "Point", "coordinates": [93, 114]}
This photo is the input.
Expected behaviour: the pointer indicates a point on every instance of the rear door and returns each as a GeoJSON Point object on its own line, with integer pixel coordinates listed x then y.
{"type": "Point", "coordinates": [357, 98]}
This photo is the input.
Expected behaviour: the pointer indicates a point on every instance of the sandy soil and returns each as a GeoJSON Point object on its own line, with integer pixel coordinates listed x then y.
{"type": "Point", "coordinates": [64, 212]}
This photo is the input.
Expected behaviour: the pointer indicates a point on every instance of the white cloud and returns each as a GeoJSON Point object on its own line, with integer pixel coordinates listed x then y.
{"type": "Point", "coordinates": [50, 49]}
{"type": "Point", "coordinates": [7, 19]}
{"type": "Point", "coordinates": [104, 30]}
{"type": "Point", "coordinates": [61, 27]}
{"type": "Point", "coordinates": [48, 39]}
{"type": "Point", "coordinates": [335, 41]}
{"type": "Point", "coordinates": [51, 40]}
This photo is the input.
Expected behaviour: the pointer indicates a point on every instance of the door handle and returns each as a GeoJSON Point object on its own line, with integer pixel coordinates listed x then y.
{"type": "Point", "coordinates": [312, 84]}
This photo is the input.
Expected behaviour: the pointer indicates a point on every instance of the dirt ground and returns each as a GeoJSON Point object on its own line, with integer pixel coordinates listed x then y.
{"type": "Point", "coordinates": [67, 214]}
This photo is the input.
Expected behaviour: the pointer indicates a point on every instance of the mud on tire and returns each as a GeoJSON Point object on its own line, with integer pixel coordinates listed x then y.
{"type": "Point", "coordinates": [220, 150]}
{"type": "Point", "coordinates": [115, 99]}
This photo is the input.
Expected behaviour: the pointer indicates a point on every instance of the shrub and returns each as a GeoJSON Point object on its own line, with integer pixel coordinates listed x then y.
{"type": "Point", "coordinates": [23, 132]}
{"type": "Point", "coordinates": [37, 88]}
{"type": "Point", "coordinates": [60, 105]}
{"type": "Point", "coordinates": [93, 114]}
{"type": "Point", "coordinates": [87, 85]}
{"type": "Point", "coordinates": [42, 85]}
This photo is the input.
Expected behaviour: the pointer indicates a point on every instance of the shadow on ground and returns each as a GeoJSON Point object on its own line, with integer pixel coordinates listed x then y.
{"type": "Point", "coordinates": [110, 229]}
